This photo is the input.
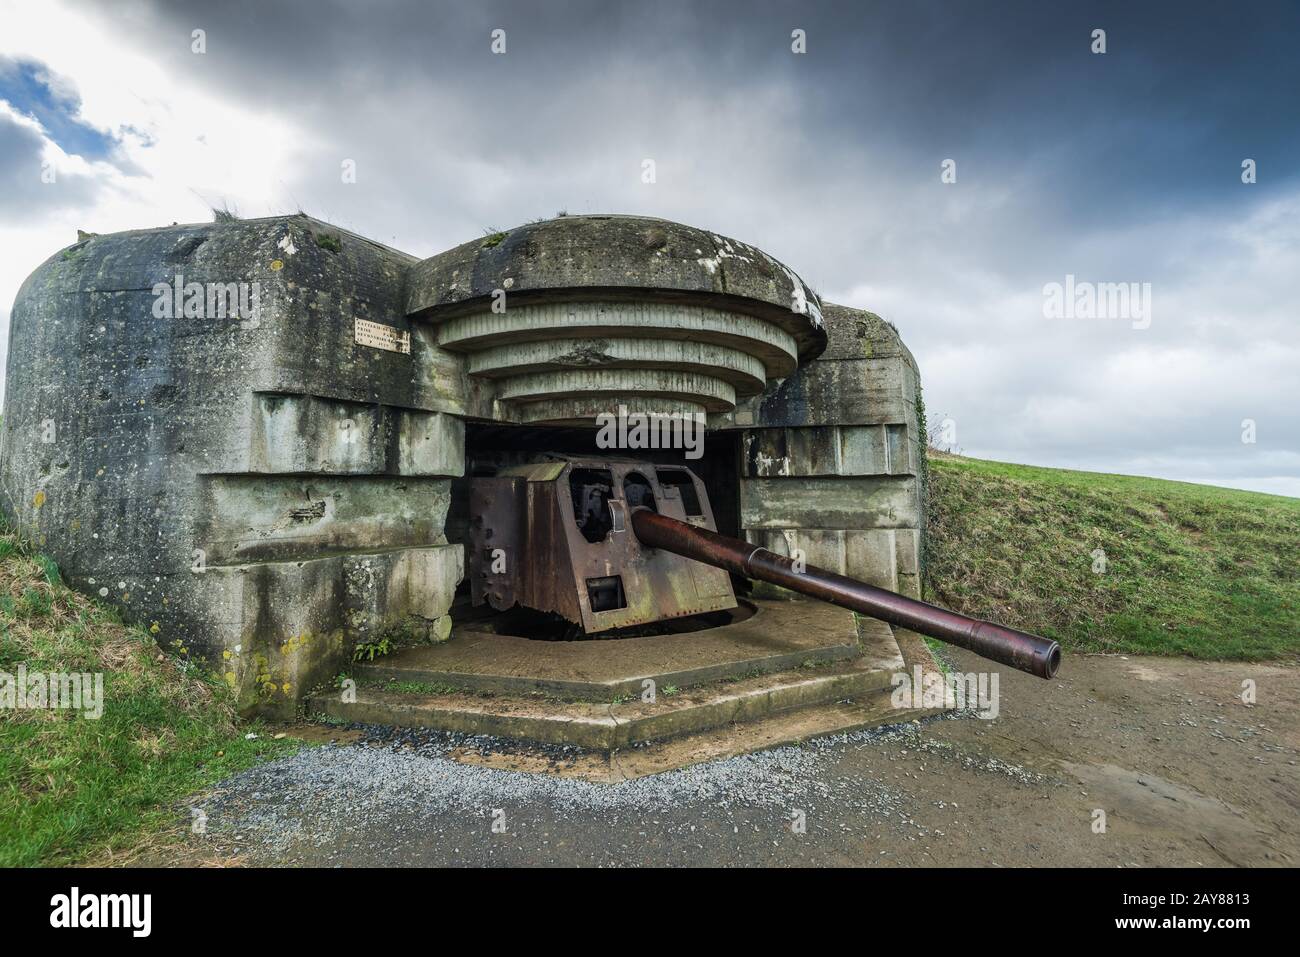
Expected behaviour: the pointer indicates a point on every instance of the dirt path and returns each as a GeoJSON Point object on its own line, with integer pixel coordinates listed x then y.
{"type": "Point", "coordinates": [1185, 772]}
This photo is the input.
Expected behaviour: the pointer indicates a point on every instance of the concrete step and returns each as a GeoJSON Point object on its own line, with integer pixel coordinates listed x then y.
{"type": "Point", "coordinates": [779, 636]}
{"type": "Point", "coordinates": [713, 744]}
{"type": "Point", "coordinates": [611, 727]}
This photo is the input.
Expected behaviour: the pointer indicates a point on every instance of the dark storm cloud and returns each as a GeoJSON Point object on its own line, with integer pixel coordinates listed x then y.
{"type": "Point", "coordinates": [1070, 141]}
{"type": "Point", "coordinates": [1162, 118]}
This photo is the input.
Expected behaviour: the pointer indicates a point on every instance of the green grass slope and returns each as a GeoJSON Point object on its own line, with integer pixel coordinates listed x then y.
{"type": "Point", "coordinates": [1189, 569]}
{"type": "Point", "coordinates": [72, 787]}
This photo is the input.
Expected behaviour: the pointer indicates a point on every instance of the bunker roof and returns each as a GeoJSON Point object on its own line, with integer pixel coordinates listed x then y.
{"type": "Point", "coordinates": [615, 257]}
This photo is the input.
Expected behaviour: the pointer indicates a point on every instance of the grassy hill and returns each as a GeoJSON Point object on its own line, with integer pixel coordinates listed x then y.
{"type": "Point", "coordinates": [70, 786]}
{"type": "Point", "coordinates": [1189, 569]}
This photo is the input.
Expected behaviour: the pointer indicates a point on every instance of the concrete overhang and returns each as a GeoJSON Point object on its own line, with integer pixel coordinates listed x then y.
{"type": "Point", "coordinates": [584, 313]}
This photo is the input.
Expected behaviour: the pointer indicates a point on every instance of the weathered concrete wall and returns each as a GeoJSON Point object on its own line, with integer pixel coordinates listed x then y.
{"type": "Point", "coordinates": [832, 457]}
{"type": "Point", "coordinates": [261, 491]}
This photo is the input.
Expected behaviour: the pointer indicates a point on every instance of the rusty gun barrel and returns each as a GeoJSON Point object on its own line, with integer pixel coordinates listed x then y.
{"type": "Point", "coordinates": [1019, 649]}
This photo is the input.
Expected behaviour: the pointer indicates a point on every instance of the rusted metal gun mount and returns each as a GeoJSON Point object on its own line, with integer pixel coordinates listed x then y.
{"type": "Point", "coordinates": [608, 543]}
{"type": "Point", "coordinates": [553, 536]}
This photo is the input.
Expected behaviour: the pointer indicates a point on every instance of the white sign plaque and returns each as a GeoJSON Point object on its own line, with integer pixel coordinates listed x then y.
{"type": "Point", "coordinates": [379, 336]}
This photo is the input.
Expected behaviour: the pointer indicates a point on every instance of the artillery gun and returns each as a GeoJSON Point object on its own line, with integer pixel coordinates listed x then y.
{"type": "Point", "coordinates": [609, 543]}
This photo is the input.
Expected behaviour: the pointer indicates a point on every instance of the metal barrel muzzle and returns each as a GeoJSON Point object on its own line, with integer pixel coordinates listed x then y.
{"type": "Point", "coordinates": [1019, 649]}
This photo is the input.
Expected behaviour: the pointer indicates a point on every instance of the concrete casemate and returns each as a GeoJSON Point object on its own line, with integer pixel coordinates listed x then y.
{"type": "Point", "coordinates": [248, 435]}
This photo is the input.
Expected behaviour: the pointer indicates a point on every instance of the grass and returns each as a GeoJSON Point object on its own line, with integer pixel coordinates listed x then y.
{"type": "Point", "coordinates": [434, 688]}
{"type": "Point", "coordinates": [72, 787]}
{"type": "Point", "coordinates": [937, 648]}
{"type": "Point", "coordinates": [1189, 569]}
{"type": "Point", "coordinates": [331, 243]}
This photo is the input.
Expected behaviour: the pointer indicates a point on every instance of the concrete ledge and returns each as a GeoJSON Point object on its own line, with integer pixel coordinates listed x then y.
{"type": "Point", "coordinates": [790, 727]}
{"type": "Point", "coordinates": [780, 636]}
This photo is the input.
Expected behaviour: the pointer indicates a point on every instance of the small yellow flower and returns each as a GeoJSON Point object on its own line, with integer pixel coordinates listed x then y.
{"type": "Point", "coordinates": [154, 629]}
{"type": "Point", "coordinates": [39, 498]}
{"type": "Point", "coordinates": [276, 265]}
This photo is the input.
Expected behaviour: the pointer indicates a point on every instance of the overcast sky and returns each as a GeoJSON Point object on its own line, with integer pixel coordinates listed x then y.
{"type": "Point", "coordinates": [1123, 166]}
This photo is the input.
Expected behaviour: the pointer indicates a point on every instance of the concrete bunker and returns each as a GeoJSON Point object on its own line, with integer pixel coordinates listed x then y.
{"type": "Point", "coordinates": [267, 490]}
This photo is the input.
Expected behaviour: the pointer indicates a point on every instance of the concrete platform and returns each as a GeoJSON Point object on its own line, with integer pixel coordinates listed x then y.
{"type": "Point", "coordinates": [713, 699]}
{"type": "Point", "coordinates": [609, 727]}
{"type": "Point", "coordinates": [779, 636]}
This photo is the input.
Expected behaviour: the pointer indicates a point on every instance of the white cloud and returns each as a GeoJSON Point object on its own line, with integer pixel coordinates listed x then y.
{"type": "Point", "coordinates": [186, 149]}
{"type": "Point", "coordinates": [1223, 346]}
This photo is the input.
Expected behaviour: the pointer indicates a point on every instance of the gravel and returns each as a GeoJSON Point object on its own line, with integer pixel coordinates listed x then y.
{"type": "Point", "coordinates": [322, 797]}
{"type": "Point", "coordinates": [321, 805]}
